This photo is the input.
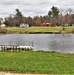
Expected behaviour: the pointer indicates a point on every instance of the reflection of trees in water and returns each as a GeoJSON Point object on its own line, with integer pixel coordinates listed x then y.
{"type": "Point", "coordinates": [63, 42]}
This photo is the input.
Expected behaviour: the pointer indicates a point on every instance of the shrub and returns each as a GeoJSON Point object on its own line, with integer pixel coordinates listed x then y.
{"type": "Point", "coordinates": [3, 30]}
{"type": "Point", "coordinates": [73, 30]}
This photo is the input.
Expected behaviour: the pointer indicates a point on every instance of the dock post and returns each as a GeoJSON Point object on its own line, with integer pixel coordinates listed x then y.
{"type": "Point", "coordinates": [16, 49]}
{"type": "Point", "coordinates": [32, 43]}
{"type": "Point", "coordinates": [19, 49]}
{"type": "Point", "coordinates": [1, 48]}
{"type": "Point", "coordinates": [4, 47]}
{"type": "Point", "coordinates": [13, 48]}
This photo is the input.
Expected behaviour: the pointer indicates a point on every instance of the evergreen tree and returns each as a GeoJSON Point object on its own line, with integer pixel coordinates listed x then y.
{"type": "Point", "coordinates": [54, 14]}
{"type": "Point", "coordinates": [19, 16]}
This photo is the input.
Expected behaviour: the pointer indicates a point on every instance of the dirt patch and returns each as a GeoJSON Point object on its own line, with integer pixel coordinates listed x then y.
{"type": "Point", "coordinates": [8, 73]}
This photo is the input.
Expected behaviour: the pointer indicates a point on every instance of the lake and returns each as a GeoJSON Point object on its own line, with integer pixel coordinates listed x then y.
{"type": "Point", "coordinates": [47, 42]}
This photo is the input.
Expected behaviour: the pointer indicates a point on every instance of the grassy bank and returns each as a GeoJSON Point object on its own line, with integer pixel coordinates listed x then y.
{"type": "Point", "coordinates": [37, 62]}
{"type": "Point", "coordinates": [39, 29]}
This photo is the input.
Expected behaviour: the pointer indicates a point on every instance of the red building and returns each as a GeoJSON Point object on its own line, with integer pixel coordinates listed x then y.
{"type": "Point", "coordinates": [47, 24]}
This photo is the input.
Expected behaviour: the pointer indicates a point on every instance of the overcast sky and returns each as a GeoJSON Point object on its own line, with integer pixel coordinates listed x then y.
{"type": "Point", "coordinates": [32, 7]}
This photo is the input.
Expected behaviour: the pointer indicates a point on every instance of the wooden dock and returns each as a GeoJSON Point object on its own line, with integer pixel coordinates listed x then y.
{"type": "Point", "coordinates": [27, 46]}
{"type": "Point", "coordinates": [15, 48]}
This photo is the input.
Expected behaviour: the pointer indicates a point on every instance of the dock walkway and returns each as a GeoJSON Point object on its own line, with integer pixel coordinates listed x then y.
{"type": "Point", "coordinates": [15, 48]}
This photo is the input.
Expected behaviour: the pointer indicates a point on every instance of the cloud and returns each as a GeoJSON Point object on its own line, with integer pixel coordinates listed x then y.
{"type": "Point", "coordinates": [32, 7]}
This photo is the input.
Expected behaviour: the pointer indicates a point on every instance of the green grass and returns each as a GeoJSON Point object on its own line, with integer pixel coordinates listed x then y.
{"type": "Point", "coordinates": [37, 62]}
{"type": "Point", "coordinates": [34, 29]}
{"type": "Point", "coordinates": [38, 29]}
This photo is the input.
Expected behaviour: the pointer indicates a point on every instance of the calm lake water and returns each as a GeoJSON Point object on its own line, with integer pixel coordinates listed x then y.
{"type": "Point", "coordinates": [47, 42]}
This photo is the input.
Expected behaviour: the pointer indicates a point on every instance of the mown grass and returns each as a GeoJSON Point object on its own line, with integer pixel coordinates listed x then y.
{"type": "Point", "coordinates": [39, 29]}
{"type": "Point", "coordinates": [37, 62]}
{"type": "Point", "coordinates": [34, 29]}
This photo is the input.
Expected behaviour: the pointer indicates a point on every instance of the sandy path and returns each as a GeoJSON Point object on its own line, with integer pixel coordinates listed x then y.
{"type": "Point", "coordinates": [8, 73]}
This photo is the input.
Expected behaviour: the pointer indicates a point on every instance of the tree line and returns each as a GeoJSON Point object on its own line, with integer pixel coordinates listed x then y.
{"type": "Point", "coordinates": [54, 15]}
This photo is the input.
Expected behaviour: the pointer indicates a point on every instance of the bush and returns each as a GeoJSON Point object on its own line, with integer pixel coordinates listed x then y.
{"type": "Point", "coordinates": [73, 30]}
{"type": "Point", "coordinates": [3, 30]}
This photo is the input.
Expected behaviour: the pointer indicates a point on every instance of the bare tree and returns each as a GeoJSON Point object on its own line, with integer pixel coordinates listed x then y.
{"type": "Point", "coordinates": [69, 17]}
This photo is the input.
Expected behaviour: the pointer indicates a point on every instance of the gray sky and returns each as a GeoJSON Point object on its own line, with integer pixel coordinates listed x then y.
{"type": "Point", "coordinates": [32, 7]}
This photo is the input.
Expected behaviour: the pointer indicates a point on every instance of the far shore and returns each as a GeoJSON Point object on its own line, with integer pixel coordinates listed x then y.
{"type": "Point", "coordinates": [37, 30]}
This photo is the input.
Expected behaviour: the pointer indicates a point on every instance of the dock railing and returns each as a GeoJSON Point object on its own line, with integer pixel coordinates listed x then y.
{"type": "Point", "coordinates": [28, 45]}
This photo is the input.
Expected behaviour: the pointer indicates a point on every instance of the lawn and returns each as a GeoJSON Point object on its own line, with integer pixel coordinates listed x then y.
{"type": "Point", "coordinates": [37, 62]}
{"type": "Point", "coordinates": [39, 29]}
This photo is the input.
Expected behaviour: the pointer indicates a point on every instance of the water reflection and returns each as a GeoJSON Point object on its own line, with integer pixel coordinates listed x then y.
{"type": "Point", "coordinates": [63, 43]}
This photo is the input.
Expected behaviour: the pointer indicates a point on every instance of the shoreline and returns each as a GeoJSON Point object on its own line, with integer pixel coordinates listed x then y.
{"type": "Point", "coordinates": [38, 32]}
